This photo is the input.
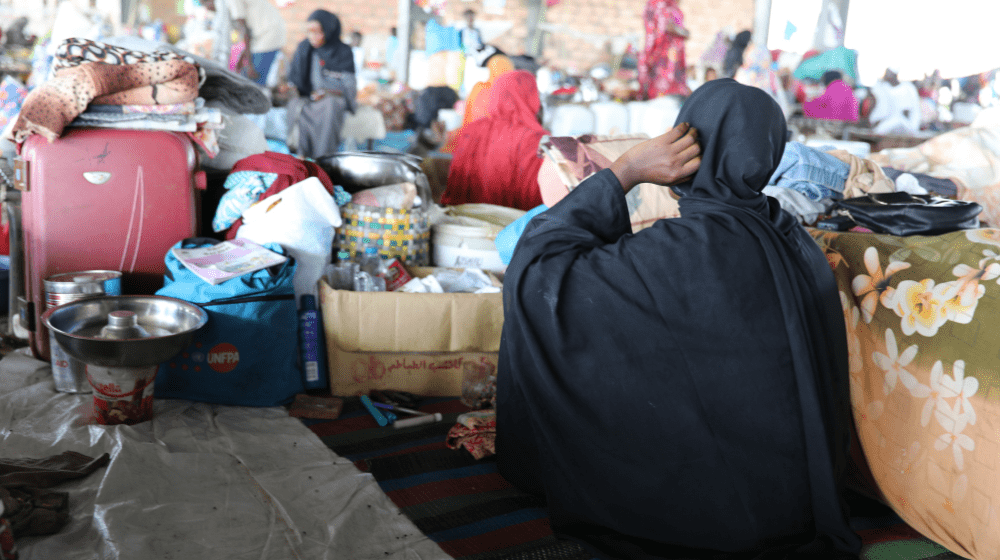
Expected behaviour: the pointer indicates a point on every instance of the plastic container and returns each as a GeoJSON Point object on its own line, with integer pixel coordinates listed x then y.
{"type": "Point", "coordinates": [122, 395]}
{"type": "Point", "coordinates": [311, 345]}
{"type": "Point", "coordinates": [372, 263]}
{"type": "Point", "coordinates": [465, 246]}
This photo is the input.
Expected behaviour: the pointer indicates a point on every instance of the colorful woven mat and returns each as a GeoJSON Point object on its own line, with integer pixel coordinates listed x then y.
{"type": "Point", "coordinates": [473, 513]}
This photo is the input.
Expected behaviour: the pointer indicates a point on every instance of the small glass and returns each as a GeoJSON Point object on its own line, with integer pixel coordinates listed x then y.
{"type": "Point", "coordinates": [479, 385]}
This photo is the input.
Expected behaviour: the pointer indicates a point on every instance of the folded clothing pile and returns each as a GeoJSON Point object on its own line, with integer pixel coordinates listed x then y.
{"type": "Point", "coordinates": [88, 72]}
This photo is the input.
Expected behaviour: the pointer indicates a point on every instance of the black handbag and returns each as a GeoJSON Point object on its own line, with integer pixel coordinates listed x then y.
{"type": "Point", "coordinates": [901, 213]}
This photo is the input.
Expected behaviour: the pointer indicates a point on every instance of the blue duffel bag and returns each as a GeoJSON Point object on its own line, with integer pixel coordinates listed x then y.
{"type": "Point", "coordinates": [247, 353]}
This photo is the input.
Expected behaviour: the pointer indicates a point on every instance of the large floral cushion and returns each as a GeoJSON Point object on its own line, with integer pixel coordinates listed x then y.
{"type": "Point", "coordinates": [923, 326]}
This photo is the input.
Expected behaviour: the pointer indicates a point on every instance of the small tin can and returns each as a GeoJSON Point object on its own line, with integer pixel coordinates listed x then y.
{"type": "Point", "coordinates": [70, 374]}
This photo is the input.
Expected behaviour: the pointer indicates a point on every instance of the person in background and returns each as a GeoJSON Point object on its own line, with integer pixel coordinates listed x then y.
{"type": "Point", "coordinates": [391, 43]}
{"type": "Point", "coordinates": [661, 62]}
{"type": "Point", "coordinates": [262, 34]}
{"type": "Point", "coordinates": [897, 105]}
{"type": "Point", "coordinates": [680, 392]}
{"type": "Point", "coordinates": [734, 56]}
{"type": "Point", "coordinates": [357, 50]}
{"type": "Point", "coordinates": [322, 72]}
{"type": "Point", "coordinates": [837, 103]}
{"type": "Point", "coordinates": [471, 37]}
{"type": "Point", "coordinates": [477, 102]}
{"type": "Point", "coordinates": [758, 71]}
{"type": "Point", "coordinates": [495, 159]}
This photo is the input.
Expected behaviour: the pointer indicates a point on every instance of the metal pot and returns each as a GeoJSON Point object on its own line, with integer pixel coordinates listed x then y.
{"type": "Point", "coordinates": [170, 323]}
{"type": "Point", "coordinates": [357, 171]}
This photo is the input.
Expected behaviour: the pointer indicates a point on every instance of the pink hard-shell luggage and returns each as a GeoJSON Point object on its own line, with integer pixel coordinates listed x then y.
{"type": "Point", "coordinates": [103, 199]}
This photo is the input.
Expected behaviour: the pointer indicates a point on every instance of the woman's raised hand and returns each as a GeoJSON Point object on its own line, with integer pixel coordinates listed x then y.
{"type": "Point", "coordinates": [666, 160]}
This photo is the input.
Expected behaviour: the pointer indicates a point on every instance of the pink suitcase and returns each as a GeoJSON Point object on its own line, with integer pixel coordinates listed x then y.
{"type": "Point", "coordinates": [103, 199]}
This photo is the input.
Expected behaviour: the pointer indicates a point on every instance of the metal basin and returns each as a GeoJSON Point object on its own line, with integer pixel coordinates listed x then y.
{"type": "Point", "coordinates": [169, 322]}
{"type": "Point", "coordinates": [363, 170]}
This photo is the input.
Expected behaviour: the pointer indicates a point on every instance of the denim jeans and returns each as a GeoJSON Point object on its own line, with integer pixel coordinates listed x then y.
{"type": "Point", "coordinates": [815, 174]}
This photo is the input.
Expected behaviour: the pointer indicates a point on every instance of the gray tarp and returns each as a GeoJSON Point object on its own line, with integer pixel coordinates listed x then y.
{"type": "Point", "coordinates": [199, 481]}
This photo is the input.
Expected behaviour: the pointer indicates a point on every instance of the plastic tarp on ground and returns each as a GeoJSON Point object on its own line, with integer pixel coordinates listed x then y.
{"type": "Point", "coordinates": [199, 481]}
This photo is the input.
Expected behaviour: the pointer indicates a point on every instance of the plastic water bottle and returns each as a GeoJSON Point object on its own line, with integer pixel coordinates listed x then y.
{"type": "Point", "coordinates": [311, 345]}
{"type": "Point", "coordinates": [364, 282]}
{"type": "Point", "coordinates": [341, 274]}
{"type": "Point", "coordinates": [372, 263]}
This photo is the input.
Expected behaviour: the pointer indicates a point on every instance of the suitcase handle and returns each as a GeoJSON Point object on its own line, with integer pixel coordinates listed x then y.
{"type": "Point", "coordinates": [200, 180]}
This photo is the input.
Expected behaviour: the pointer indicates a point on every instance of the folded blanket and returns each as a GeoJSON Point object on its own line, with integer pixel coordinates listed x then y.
{"type": "Point", "coordinates": [236, 92]}
{"type": "Point", "coordinates": [76, 51]}
{"type": "Point", "coordinates": [51, 106]}
{"type": "Point", "coordinates": [188, 108]}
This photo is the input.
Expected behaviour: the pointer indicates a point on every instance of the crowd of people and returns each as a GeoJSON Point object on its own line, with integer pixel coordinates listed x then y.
{"type": "Point", "coordinates": [639, 352]}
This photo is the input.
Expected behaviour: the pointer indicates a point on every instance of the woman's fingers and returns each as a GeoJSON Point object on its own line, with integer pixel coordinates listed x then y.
{"type": "Point", "coordinates": [691, 167]}
{"type": "Point", "coordinates": [689, 139]}
{"type": "Point", "coordinates": [689, 152]}
{"type": "Point", "coordinates": [676, 132]}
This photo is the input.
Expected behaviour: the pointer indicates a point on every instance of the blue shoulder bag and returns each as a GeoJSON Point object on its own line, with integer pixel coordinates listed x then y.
{"type": "Point", "coordinates": [247, 354]}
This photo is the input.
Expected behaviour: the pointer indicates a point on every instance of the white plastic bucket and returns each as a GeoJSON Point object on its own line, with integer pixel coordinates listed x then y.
{"type": "Point", "coordinates": [466, 246]}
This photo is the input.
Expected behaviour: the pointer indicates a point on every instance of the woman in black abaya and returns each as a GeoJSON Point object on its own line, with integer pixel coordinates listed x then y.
{"type": "Point", "coordinates": [323, 73]}
{"type": "Point", "coordinates": [680, 392]}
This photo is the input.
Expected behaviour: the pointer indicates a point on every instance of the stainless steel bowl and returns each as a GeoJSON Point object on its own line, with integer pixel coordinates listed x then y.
{"type": "Point", "coordinates": [362, 170]}
{"type": "Point", "coordinates": [170, 323]}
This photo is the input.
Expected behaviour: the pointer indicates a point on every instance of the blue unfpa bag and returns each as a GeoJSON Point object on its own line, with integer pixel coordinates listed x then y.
{"type": "Point", "coordinates": [247, 353]}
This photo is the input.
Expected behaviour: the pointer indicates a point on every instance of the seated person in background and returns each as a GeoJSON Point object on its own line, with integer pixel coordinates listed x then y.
{"type": "Point", "coordinates": [837, 103]}
{"type": "Point", "coordinates": [680, 392]}
{"type": "Point", "coordinates": [897, 106]}
{"type": "Point", "coordinates": [322, 72]}
{"type": "Point", "coordinates": [495, 160]}
{"type": "Point", "coordinates": [477, 102]}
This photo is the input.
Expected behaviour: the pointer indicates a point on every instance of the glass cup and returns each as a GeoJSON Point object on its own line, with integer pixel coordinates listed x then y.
{"type": "Point", "coordinates": [479, 384]}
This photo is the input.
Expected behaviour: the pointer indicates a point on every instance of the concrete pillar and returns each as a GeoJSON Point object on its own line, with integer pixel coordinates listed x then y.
{"type": "Point", "coordinates": [761, 21]}
{"type": "Point", "coordinates": [536, 15]}
{"type": "Point", "coordinates": [403, 41]}
{"type": "Point", "coordinates": [831, 25]}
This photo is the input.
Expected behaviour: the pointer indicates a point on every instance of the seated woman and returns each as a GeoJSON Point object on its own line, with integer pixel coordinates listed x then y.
{"type": "Point", "coordinates": [680, 392]}
{"type": "Point", "coordinates": [322, 71]}
{"type": "Point", "coordinates": [495, 160]}
{"type": "Point", "coordinates": [477, 102]}
{"type": "Point", "coordinates": [837, 103]}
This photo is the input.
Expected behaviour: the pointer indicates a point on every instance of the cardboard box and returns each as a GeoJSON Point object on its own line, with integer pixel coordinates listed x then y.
{"type": "Point", "coordinates": [407, 342]}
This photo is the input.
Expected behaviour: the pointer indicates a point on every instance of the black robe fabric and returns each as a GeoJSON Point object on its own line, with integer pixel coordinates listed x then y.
{"type": "Point", "coordinates": [681, 392]}
{"type": "Point", "coordinates": [334, 55]}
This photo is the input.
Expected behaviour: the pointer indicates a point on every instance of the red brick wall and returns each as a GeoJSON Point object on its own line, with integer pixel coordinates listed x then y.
{"type": "Point", "coordinates": [583, 28]}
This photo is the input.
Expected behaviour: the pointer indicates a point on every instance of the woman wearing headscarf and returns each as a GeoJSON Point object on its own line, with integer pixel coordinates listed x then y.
{"type": "Point", "coordinates": [477, 102]}
{"type": "Point", "coordinates": [680, 392]}
{"type": "Point", "coordinates": [495, 159]}
{"type": "Point", "coordinates": [322, 72]}
{"type": "Point", "coordinates": [662, 70]}
{"type": "Point", "coordinates": [734, 56]}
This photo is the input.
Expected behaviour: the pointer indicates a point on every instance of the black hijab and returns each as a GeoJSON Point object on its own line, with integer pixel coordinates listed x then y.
{"type": "Point", "coordinates": [334, 55]}
{"type": "Point", "coordinates": [734, 56]}
{"type": "Point", "coordinates": [681, 392]}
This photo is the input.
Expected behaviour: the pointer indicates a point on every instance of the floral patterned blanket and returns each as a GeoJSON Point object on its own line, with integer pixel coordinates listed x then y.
{"type": "Point", "coordinates": [923, 325]}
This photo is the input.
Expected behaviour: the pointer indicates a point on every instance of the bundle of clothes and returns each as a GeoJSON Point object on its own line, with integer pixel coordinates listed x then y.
{"type": "Point", "coordinates": [27, 506]}
{"type": "Point", "coordinates": [136, 84]}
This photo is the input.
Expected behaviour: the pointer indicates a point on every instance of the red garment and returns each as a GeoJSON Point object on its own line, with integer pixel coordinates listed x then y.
{"type": "Point", "coordinates": [290, 170]}
{"type": "Point", "coordinates": [662, 70]}
{"type": "Point", "coordinates": [837, 104]}
{"type": "Point", "coordinates": [496, 157]}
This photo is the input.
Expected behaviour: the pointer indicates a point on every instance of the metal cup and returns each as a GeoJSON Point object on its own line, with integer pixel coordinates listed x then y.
{"type": "Point", "coordinates": [68, 373]}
